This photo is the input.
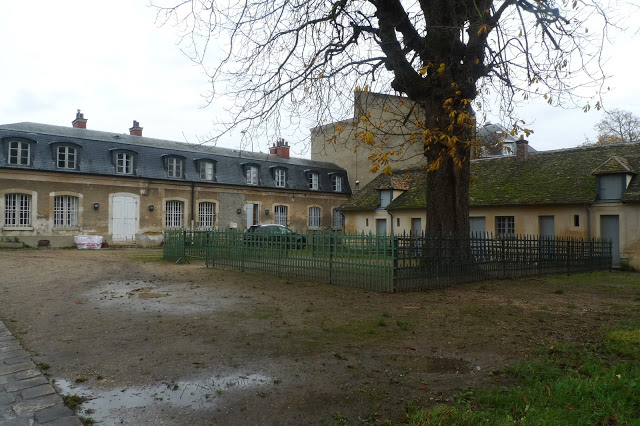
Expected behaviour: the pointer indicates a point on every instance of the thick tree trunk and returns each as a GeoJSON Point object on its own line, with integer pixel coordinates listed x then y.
{"type": "Point", "coordinates": [447, 196]}
{"type": "Point", "coordinates": [448, 184]}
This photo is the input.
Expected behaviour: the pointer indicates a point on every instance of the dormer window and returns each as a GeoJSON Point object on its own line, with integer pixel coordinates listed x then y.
{"type": "Point", "coordinates": [66, 157]}
{"type": "Point", "coordinates": [611, 187]}
{"type": "Point", "coordinates": [384, 197]}
{"type": "Point", "coordinates": [19, 153]}
{"type": "Point", "coordinates": [612, 178]}
{"type": "Point", "coordinates": [251, 175]}
{"type": "Point", "coordinates": [175, 167]}
{"type": "Point", "coordinates": [336, 183]}
{"type": "Point", "coordinates": [313, 179]}
{"type": "Point", "coordinates": [280, 176]}
{"type": "Point", "coordinates": [124, 161]}
{"type": "Point", "coordinates": [207, 169]}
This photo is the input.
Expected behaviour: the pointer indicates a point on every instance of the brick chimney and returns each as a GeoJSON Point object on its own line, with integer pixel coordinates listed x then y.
{"type": "Point", "coordinates": [280, 148]}
{"type": "Point", "coordinates": [522, 148]}
{"type": "Point", "coordinates": [80, 122]}
{"type": "Point", "coordinates": [136, 130]}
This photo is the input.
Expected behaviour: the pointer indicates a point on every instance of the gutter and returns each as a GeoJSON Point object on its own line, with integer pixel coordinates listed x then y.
{"type": "Point", "coordinates": [588, 209]}
{"type": "Point", "coordinates": [193, 202]}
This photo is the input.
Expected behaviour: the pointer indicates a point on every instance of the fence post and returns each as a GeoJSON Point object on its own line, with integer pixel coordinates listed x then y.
{"type": "Point", "coordinates": [331, 241]}
{"type": "Point", "coordinates": [394, 272]}
{"type": "Point", "coordinates": [504, 259]}
{"type": "Point", "coordinates": [568, 256]}
{"type": "Point", "coordinates": [206, 248]}
{"type": "Point", "coordinates": [243, 247]}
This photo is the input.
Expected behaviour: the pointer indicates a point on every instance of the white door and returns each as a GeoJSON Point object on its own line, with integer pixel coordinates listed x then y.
{"type": "Point", "coordinates": [253, 214]}
{"type": "Point", "coordinates": [125, 218]}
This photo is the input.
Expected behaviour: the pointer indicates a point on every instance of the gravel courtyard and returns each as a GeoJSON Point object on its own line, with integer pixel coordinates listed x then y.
{"type": "Point", "coordinates": [151, 342]}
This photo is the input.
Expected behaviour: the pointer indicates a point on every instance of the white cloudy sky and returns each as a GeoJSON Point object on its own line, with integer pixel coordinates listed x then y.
{"type": "Point", "coordinates": [110, 60]}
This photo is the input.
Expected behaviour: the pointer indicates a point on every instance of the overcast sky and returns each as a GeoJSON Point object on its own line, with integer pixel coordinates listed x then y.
{"type": "Point", "coordinates": [111, 60]}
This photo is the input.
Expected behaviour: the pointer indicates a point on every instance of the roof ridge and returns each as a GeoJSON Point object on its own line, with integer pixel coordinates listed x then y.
{"type": "Point", "coordinates": [127, 139]}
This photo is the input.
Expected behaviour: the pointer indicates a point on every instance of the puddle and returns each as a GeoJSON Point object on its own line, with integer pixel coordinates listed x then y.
{"type": "Point", "coordinates": [432, 364]}
{"type": "Point", "coordinates": [138, 295]}
{"type": "Point", "coordinates": [104, 405]}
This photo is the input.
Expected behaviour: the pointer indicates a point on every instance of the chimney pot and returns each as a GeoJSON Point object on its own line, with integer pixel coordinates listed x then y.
{"type": "Point", "coordinates": [136, 130]}
{"type": "Point", "coordinates": [80, 122]}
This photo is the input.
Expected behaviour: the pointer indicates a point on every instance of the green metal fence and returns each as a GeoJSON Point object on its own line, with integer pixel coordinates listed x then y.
{"type": "Point", "coordinates": [364, 261]}
{"type": "Point", "coordinates": [182, 244]}
{"type": "Point", "coordinates": [387, 263]}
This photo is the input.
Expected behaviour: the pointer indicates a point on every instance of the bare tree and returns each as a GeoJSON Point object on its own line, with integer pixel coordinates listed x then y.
{"type": "Point", "coordinates": [277, 59]}
{"type": "Point", "coordinates": [618, 126]}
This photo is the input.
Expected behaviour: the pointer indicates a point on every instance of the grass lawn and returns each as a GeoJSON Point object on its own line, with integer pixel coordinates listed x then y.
{"type": "Point", "coordinates": [590, 383]}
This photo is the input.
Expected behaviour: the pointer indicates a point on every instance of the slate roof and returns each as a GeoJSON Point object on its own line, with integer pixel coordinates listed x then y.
{"type": "Point", "coordinates": [96, 148]}
{"type": "Point", "coordinates": [548, 177]}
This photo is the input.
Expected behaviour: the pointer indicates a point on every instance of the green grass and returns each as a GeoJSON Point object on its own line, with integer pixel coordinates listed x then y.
{"type": "Point", "coordinates": [73, 401]}
{"type": "Point", "coordinates": [571, 384]}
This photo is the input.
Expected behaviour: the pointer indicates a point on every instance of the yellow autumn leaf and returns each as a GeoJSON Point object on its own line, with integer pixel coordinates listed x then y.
{"type": "Point", "coordinates": [368, 138]}
{"type": "Point", "coordinates": [441, 69]}
{"type": "Point", "coordinates": [484, 29]}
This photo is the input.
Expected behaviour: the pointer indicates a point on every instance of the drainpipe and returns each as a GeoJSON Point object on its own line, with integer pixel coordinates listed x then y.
{"type": "Point", "coordinates": [391, 214]}
{"type": "Point", "coordinates": [193, 203]}
{"type": "Point", "coordinates": [588, 209]}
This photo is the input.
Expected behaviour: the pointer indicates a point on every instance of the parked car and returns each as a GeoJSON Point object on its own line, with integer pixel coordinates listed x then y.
{"type": "Point", "coordinates": [275, 236]}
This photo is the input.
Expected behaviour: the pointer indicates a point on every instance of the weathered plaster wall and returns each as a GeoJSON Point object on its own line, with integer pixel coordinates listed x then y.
{"type": "Point", "coordinates": [341, 147]}
{"type": "Point", "coordinates": [43, 186]}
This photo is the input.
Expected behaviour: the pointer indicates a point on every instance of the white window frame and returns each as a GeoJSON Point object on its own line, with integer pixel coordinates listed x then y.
{"type": "Point", "coordinates": [175, 167]}
{"type": "Point", "coordinates": [66, 157]}
{"type": "Point", "coordinates": [338, 219]}
{"type": "Point", "coordinates": [313, 181]}
{"type": "Point", "coordinates": [206, 215]}
{"type": "Point", "coordinates": [336, 183]}
{"type": "Point", "coordinates": [314, 216]}
{"type": "Point", "coordinates": [16, 155]}
{"type": "Point", "coordinates": [207, 170]}
{"type": "Point", "coordinates": [252, 175]}
{"type": "Point", "coordinates": [174, 214]}
{"type": "Point", "coordinates": [17, 210]}
{"type": "Point", "coordinates": [124, 163]}
{"type": "Point", "coordinates": [505, 226]}
{"type": "Point", "coordinates": [281, 214]}
{"type": "Point", "coordinates": [65, 211]}
{"type": "Point", "coordinates": [281, 178]}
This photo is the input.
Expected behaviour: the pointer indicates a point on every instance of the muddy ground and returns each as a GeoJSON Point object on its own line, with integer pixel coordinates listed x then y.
{"type": "Point", "coordinates": [158, 343]}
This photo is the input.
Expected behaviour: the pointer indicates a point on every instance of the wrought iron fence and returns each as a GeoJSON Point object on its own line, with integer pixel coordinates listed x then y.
{"type": "Point", "coordinates": [434, 261]}
{"type": "Point", "coordinates": [388, 263]}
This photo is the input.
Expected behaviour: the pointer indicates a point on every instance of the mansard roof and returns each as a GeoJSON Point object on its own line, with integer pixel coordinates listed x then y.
{"type": "Point", "coordinates": [97, 148]}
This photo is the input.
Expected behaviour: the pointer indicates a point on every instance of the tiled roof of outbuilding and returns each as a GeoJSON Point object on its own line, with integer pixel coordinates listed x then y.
{"type": "Point", "coordinates": [614, 164]}
{"type": "Point", "coordinates": [96, 148]}
{"type": "Point", "coordinates": [551, 177]}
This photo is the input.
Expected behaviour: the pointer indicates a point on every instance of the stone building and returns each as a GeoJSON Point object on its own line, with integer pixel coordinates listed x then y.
{"type": "Point", "coordinates": [588, 192]}
{"type": "Point", "coordinates": [58, 182]}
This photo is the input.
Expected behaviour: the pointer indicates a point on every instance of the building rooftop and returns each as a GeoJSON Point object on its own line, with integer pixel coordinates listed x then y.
{"type": "Point", "coordinates": [548, 177]}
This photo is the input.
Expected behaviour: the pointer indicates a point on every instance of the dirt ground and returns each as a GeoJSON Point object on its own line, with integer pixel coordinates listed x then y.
{"type": "Point", "coordinates": [154, 343]}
